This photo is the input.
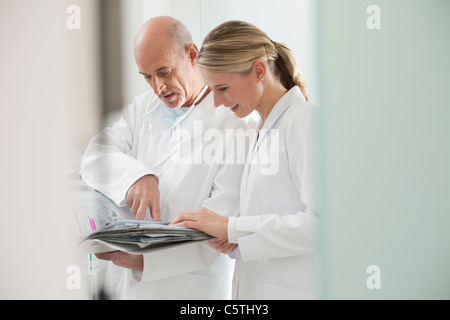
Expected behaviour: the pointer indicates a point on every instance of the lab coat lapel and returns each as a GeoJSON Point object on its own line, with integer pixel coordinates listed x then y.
{"type": "Point", "coordinates": [278, 110]}
{"type": "Point", "coordinates": [246, 173]}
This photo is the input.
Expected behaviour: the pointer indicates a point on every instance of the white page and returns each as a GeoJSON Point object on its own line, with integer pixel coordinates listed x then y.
{"type": "Point", "coordinates": [93, 210]}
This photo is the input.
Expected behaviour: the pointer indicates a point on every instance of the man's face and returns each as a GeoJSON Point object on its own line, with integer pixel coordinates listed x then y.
{"type": "Point", "coordinates": [169, 72]}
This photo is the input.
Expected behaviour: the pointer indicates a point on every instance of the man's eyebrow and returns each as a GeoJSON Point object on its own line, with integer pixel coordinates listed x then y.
{"type": "Point", "coordinates": [157, 70]}
{"type": "Point", "coordinates": [162, 68]}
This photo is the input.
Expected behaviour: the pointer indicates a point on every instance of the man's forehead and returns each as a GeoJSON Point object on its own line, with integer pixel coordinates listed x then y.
{"type": "Point", "coordinates": [157, 61]}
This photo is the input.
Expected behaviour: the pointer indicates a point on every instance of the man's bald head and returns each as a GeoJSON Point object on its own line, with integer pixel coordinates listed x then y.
{"type": "Point", "coordinates": [167, 58]}
{"type": "Point", "coordinates": [162, 32]}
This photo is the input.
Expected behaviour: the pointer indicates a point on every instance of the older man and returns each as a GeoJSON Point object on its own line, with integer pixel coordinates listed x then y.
{"type": "Point", "coordinates": [154, 158]}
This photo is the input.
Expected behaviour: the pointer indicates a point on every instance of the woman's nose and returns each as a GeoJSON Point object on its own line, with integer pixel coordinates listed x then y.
{"type": "Point", "coordinates": [218, 100]}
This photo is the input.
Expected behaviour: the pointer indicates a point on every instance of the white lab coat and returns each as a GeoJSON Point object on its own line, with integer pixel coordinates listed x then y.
{"type": "Point", "coordinates": [132, 148]}
{"type": "Point", "coordinates": [276, 227]}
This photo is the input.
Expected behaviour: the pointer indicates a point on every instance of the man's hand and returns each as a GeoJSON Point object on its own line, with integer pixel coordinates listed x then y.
{"type": "Point", "coordinates": [123, 259]}
{"type": "Point", "coordinates": [143, 194]}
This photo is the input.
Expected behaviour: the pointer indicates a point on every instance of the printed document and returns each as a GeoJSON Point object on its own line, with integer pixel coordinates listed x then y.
{"type": "Point", "coordinates": [103, 226]}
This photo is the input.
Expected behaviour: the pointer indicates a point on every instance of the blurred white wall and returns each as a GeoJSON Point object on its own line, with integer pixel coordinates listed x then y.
{"type": "Point", "coordinates": [47, 89]}
{"type": "Point", "coordinates": [84, 81]}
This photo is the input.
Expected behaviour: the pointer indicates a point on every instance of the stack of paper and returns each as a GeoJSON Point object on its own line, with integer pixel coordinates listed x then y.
{"type": "Point", "coordinates": [134, 235]}
{"type": "Point", "coordinates": [103, 226]}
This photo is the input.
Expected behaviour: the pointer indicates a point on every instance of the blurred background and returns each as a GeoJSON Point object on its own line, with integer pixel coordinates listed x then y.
{"type": "Point", "coordinates": [383, 137]}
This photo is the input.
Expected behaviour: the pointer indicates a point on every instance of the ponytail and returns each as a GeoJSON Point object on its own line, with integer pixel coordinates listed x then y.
{"type": "Point", "coordinates": [287, 69]}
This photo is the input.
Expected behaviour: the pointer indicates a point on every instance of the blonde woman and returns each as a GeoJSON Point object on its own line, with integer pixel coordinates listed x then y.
{"type": "Point", "coordinates": [274, 234]}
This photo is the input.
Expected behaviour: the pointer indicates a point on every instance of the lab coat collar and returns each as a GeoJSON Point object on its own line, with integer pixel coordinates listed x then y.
{"type": "Point", "coordinates": [281, 106]}
{"type": "Point", "coordinates": [277, 111]}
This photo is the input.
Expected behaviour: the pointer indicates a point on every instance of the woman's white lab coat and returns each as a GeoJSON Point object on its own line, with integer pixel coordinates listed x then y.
{"type": "Point", "coordinates": [132, 148]}
{"type": "Point", "coordinates": [276, 227]}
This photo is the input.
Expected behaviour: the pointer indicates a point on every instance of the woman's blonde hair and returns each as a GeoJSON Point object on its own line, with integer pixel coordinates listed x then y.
{"type": "Point", "coordinates": [234, 46]}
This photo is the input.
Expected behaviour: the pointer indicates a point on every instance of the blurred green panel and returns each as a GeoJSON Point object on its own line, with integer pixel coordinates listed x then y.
{"type": "Point", "coordinates": [385, 149]}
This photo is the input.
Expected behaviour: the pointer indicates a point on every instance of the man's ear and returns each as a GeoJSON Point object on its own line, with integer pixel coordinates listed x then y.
{"type": "Point", "coordinates": [259, 70]}
{"type": "Point", "coordinates": [192, 52]}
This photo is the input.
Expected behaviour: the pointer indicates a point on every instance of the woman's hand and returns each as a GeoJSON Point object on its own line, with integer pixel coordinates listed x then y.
{"type": "Point", "coordinates": [223, 245]}
{"type": "Point", "coordinates": [204, 220]}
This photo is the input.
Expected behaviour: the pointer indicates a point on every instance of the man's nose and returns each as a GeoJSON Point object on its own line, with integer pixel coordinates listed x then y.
{"type": "Point", "coordinates": [157, 85]}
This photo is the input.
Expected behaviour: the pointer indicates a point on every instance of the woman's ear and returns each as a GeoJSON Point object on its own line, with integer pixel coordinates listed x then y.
{"type": "Point", "coordinates": [192, 52]}
{"type": "Point", "coordinates": [259, 70]}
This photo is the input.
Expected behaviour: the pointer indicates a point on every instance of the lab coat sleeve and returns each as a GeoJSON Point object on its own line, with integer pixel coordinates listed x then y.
{"type": "Point", "coordinates": [176, 260]}
{"type": "Point", "coordinates": [283, 234]}
{"type": "Point", "coordinates": [189, 257]}
{"type": "Point", "coordinates": [271, 236]}
{"type": "Point", "coordinates": [225, 193]}
{"type": "Point", "coordinates": [224, 197]}
{"type": "Point", "coordinates": [108, 164]}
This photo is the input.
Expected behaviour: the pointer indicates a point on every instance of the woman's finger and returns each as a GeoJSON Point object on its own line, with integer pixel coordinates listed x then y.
{"type": "Point", "coordinates": [183, 216]}
{"type": "Point", "coordinates": [215, 242]}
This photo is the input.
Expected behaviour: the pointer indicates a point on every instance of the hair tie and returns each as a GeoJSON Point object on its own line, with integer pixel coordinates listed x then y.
{"type": "Point", "coordinates": [275, 44]}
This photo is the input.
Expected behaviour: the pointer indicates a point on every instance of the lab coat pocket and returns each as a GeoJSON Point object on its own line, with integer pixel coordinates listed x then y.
{"type": "Point", "coordinates": [267, 291]}
{"type": "Point", "coordinates": [209, 287]}
{"type": "Point", "coordinates": [287, 278]}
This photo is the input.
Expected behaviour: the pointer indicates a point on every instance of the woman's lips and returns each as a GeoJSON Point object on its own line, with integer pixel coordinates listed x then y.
{"type": "Point", "coordinates": [234, 108]}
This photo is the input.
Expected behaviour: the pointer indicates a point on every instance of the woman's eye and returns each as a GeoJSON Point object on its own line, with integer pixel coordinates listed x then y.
{"type": "Point", "coordinates": [223, 89]}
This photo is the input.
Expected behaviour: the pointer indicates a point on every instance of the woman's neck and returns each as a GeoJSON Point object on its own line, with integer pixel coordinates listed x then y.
{"type": "Point", "coordinates": [272, 94]}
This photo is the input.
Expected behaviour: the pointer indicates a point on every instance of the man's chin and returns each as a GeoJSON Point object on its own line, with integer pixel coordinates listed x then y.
{"type": "Point", "coordinates": [173, 103]}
